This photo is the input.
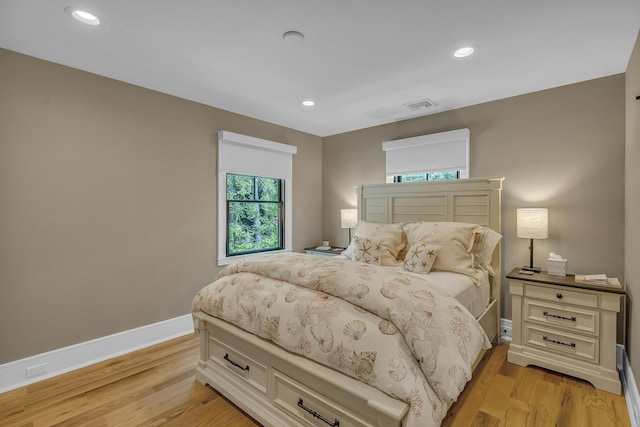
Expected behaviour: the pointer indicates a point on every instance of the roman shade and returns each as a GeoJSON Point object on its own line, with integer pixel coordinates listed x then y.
{"type": "Point", "coordinates": [246, 155]}
{"type": "Point", "coordinates": [445, 151]}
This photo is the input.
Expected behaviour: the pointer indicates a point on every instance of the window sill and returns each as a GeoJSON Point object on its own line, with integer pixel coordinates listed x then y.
{"type": "Point", "coordinates": [229, 260]}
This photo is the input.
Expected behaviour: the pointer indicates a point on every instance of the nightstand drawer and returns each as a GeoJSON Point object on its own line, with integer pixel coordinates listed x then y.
{"type": "Point", "coordinates": [572, 318]}
{"type": "Point", "coordinates": [585, 348]}
{"type": "Point", "coordinates": [562, 295]}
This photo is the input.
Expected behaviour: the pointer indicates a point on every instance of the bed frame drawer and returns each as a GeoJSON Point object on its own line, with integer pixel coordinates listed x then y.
{"type": "Point", "coordinates": [567, 317]}
{"type": "Point", "coordinates": [245, 367]}
{"type": "Point", "coordinates": [310, 407]}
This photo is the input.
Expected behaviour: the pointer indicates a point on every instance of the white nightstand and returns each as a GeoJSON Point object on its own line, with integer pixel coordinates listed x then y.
{"type": "Point", "coordinates": [324, 252]}
{"type": "Point", "coordinates": [565, 326]}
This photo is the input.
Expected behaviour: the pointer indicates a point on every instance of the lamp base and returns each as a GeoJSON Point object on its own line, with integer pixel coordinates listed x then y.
{"type": "Point", "coordinates": [534, 269]}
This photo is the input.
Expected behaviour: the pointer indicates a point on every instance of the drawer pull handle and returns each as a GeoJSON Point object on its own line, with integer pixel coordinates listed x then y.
{"type": "Point", "coordinates": [314, 414]}
{"type": "Point", "coordinates": [568, 344]}
{"type": "Point", "coordinates": [559, 295]}
{"type": "Point", "coordinates": [557, 316]}
{"type": "Point", "coordinates": [234, 363]}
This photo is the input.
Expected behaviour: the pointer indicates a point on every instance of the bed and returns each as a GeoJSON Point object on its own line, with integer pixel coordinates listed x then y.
{"type": "Point", "coordinates": [314, 362]}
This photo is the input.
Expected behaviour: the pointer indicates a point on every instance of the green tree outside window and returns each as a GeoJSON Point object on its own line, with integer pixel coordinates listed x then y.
{"type": "Point", "coordinates": [429, 176]}
{"type": "Point", "coordinates": [254, 214]}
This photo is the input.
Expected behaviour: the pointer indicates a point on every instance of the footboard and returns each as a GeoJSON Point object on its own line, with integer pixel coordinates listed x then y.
{"type": "Point", "coordinates": [280, 388]}
{"type": "Point", "coordinates": [490, 321]}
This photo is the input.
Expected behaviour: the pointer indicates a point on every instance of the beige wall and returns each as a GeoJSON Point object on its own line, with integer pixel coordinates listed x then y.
{"type": "Point", "coordinates": [632, 207]}
{"type": "Point", "coordinates": [108, 203]}
{"type": "Point", "coordinates": [561, 148]}
{"type": "Point", "coordinates": [108, 191]}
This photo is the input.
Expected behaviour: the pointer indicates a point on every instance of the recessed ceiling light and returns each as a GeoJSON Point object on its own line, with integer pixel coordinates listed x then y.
{"type": "Point", "coordinates": [463, 52]}
{"type": "Point", "coordinates": [308, 103]}
{"type": "Point", "coordinates": [293, 37]}
{"type": "Point", "coordinates": [82, 15]}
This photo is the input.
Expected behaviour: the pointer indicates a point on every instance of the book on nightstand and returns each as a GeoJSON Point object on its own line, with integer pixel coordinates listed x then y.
{"type": "Point", "coordinates": [598, 279]}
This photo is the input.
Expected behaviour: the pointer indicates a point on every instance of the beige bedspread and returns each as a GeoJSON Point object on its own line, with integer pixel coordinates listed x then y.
{"type": "Point", "coordinates": [385, 328]}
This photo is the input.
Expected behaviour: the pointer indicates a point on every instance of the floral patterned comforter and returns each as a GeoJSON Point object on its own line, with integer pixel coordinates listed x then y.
{"type": "Point", "coordinates": [390, 330]}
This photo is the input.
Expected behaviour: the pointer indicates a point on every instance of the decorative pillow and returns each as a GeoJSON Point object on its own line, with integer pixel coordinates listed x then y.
{"type": "Point", "coordinates": [390, 236]}
{"type": "Point", "coordinates": [367, 250]}
{"type": "Point", "coordinates": [484, 243]}
{"type": "Point", "coordinates": [456, 239]}
{"type": "Point", "coordinates": [420, 257]}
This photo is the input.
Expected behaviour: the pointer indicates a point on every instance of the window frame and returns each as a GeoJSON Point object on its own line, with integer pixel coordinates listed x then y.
{"type": "Point", "coordinates": [256, 200]}
{"type": "Point", "coordinates": [245, 155]}
{"type": "Point", "coordinates": [398, 178]}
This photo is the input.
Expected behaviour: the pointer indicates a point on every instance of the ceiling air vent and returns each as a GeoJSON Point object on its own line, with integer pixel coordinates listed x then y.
{"type": "Point", "coordinates": [421, 105]}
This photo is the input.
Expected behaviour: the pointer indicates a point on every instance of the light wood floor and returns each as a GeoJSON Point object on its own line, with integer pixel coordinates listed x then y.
{"type": "Point", "coordinates": [155, 386]}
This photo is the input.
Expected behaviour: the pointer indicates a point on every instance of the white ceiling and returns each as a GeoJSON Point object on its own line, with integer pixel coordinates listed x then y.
{"type": "Point", "coordinates": [361, 60]}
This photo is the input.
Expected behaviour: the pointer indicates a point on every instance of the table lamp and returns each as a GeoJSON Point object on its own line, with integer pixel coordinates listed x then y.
{"type": "Point", "coordinates": [348, 219]}
{"type": "Point", "coordinates": [532, 223]}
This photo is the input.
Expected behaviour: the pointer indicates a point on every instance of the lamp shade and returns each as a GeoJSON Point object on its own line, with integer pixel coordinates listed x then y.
{"type": "Point", "coordinates": [348, 218]}
{"type": "Point", "coordinates": [532, 223]}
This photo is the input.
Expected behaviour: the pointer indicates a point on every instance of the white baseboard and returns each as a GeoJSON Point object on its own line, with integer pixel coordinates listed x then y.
{"type": "Point", "coordinates": [629, 386]}
{"type": "Point", "coordinates": [505, 330]}
{"type": "Point", "coordinates": [14, 374]}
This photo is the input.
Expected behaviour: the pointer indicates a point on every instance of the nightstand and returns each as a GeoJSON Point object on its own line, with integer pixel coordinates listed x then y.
{"type": "Point", "coordinates": [565, 326]}
{"type": "Point", "coordinates": [324, 252]}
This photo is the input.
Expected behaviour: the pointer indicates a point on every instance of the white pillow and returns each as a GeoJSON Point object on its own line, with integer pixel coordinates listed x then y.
{"type": "Point", "coordinates": [420, 257]}
{"type": "Point", "coordinates": [390, 236]}
{"type": "Point", "coordinates": [456, 239]}
{"type": "Point", "coordinates": [484, 244]}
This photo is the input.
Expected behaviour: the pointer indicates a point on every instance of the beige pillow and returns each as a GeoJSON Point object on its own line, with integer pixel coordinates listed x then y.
{"type": "Point", "coordinates": [367, 250]}
{"type": "Point", "coordinates": [420, 257]}
{"type": "Point", "coordinates": [390, 236]}
{"type": "Point", "coordinates": [456, 239]}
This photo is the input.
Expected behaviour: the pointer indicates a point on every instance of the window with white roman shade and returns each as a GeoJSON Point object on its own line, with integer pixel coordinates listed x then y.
{"type": "Point", "coordinates": [438, 152]}
{"type": "Point", "coordinates": [241, 155]}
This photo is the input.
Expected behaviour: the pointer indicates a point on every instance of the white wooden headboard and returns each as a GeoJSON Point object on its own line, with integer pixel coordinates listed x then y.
{"type": "Point", "coordinates": [475, 200]}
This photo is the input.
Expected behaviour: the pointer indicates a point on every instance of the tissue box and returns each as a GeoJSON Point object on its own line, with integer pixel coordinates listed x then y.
{"type": "Point", "coordinates": [557, 267]}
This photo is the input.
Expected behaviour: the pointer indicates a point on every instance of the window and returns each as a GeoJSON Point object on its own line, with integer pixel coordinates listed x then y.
{"type": "Point", "coordinates": [254, 214]}
{"type": "Point", "coordinates": [442, 155]}
{"type": "Point", "coordinates": [429, 176]}
{"type": "Point", "coordinates": [254, 196]}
